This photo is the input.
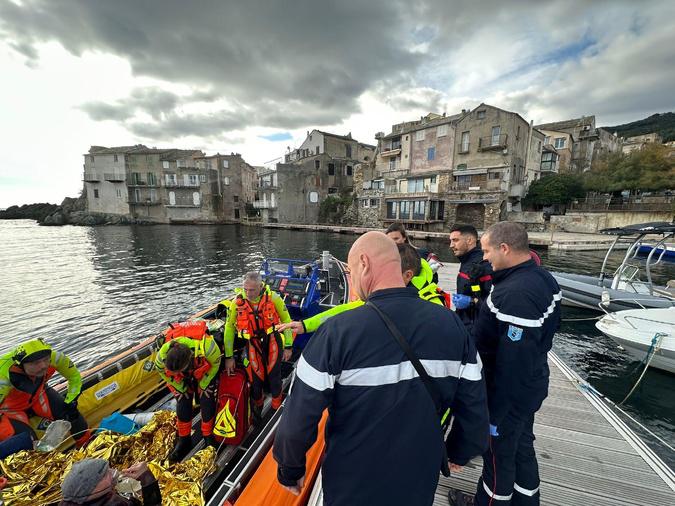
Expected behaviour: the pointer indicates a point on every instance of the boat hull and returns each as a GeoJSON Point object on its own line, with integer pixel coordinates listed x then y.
{"type": "Point", "coordinates": [635, 331]}
{"type": "Point", "coordinates": [584, 291]}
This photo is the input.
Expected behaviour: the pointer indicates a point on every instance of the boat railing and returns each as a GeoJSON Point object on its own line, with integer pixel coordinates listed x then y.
{"type": "Point", "coordinates": [661, 243]}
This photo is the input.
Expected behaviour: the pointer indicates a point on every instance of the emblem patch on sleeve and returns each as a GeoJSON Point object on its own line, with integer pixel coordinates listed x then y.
{"type": "Point", "coordinates": [515, 333]}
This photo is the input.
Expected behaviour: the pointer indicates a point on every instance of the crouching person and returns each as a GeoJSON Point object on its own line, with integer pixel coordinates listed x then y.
{"type": "Point", "coordinates": [24, 373]}
{"type": "Point", "coordinates": [190, 367]}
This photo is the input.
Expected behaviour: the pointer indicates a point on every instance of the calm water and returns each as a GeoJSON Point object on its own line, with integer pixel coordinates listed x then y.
{"type": "Point", "coordinates": [93, 292]}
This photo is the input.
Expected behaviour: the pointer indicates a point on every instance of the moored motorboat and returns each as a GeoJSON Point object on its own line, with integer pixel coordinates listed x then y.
{"type": "Point", "coordinates": [643, 333]}
{"type": "Point", "coordinates": [624, 289]}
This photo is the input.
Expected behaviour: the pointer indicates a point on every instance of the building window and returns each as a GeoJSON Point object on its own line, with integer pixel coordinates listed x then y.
{"type": "Point", "coordinates": [404, 210]}
{"type": "Point", "coordinates": [165, 164]}
{"type": "Point", "coordinates": [496, 131]}
{"type": "Point", "coordinates": [461, 166]}
{"type": "Point", "coordinates": [419, 207]}
{"type": "Point", "coordinates": [136, 178]}
{"type": "Point", "coordinates": [137, 195]}
{"type": "Point", "coordinates": [378, 185]}
{"type": "Point", "coordinates": [548, 161]}
{"type": "Point", "coordinates": [374, 202]}
{"type": "Point", "coordinates": [431, 153]}
{"type": "Point", "coordinates": [539, 147]}
{"type": "Point", "coordinates": [192, 180]}
{"type": "Point", "coordinates": [91, 159]}
{"type": "Point", "coordinates": [226, 181]}
{"type": "Point", "coordinates": [195, 198]}
{"type": "Point", "coordinates": [518, 133]}
{"type": "Point", "coordinates": [348, 150]}
{"type": "Point", "coordinates": [392, 163]}
{"type": "Point", "coordinates": [494, 175]}
{"type": "Point", "coordinates": [332, 190]}
{"type": "Point", "coordinates": [172, 198]}
{"type": "Point", "coordinates": [153, 195]}
{"type": "Point", "coordinates": [365, 203]}
{"type": "Point", "coordinates": [202, 178]}
{"type": "Point", "coordinates": [170, 179]}
{"type": "Point", "coordinates": [331, 169]}
{"type": "Point", "coordinates": [95, 194]}
{"type": "Point", "coordinates": [236, 214]}
{"type": "Point", "coordinates": [226, 164]}
{"type": "Point", "coordinates": [559, 143]}
{"type": "Point", "coordinates": [236, 198]}
{"type": "Point", "coordinates": [114, 158]}
{"type": "Point", "coordinates": [181, 163]}
{"type": "Point", "coordinates": [442, 130]}
{"type": "Point", "coordinates": [152, 179]}
{"type": "Point", "coordinates": [419, 135]}
{"type": "Point", "coordinates": [480, 114]}
{"type": "Point", "coordinates": [317, 164]}
{"type": "Point", "coordinates": [465, 142]}
{"type": "Point", "coordinates": [119, 193]}
{"type": "Point", "coordinates": [391, 209]}
{"type": "Point", "coordinates": [313, 197]}
{"type": "Point", "coordinates": [547, 140]}
{"type": "Point", "coordinates": [317, 148]}
{"type": "Point", "coordinates": [349, 170]}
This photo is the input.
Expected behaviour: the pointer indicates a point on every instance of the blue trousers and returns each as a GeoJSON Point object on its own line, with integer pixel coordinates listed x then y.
{"type": "Point", "coordinates": [510, 469]}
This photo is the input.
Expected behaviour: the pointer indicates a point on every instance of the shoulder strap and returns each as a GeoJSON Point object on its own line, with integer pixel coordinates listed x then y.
{"type": "Point", "coordinates": [424, 376]}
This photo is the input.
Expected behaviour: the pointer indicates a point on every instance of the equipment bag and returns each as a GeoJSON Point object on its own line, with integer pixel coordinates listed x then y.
{"type": "Point", "coordinates": [234, 413]}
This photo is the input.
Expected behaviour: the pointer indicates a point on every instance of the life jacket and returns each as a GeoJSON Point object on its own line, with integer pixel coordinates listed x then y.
{"type": "Point", "coordinates": [21, 400]}
{"type": "Point", "coordinates": [13, 377]}
{"type": "Point", "coordinates": [192, 329]}
{"type": "Point", "coordinates": [256, 320]}
{"type": "Point", "coordinates": [426, 288]}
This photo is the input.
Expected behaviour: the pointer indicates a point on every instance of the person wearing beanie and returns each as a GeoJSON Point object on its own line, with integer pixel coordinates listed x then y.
{"type": "Point", "coordinates": [24, 373]}
{"type": "Point", "coordinates": [92, 482]}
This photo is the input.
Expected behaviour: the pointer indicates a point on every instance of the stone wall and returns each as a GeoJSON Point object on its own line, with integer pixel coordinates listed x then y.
{"type": "Point", "coordinates": [593, 222]}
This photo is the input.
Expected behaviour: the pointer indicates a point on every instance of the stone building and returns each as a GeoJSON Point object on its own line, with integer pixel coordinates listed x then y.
{"type": "Point", "coordinates": [266, 196]}
{"type": "Point", "coordinates": [631, 144]}
{"type": "Point", "coordinates": [322, 167]}
{"type": "Point", "coordinates": [164, 185]}
{"type": "Point", "coordinates": [234, 184]}
{"type": "Point", "coordinates": [583, 143]}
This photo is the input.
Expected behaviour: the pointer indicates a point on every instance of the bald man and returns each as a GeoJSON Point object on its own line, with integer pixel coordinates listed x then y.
{"type": "Point", "coordinates": [384, 437]}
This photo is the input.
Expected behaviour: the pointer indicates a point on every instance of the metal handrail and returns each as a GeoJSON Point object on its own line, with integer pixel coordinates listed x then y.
{"type": "Point", "coordinates": [649, 257]}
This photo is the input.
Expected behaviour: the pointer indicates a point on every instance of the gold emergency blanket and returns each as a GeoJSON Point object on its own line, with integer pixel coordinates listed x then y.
{"type": "Point", "coordinates": [35, 478]}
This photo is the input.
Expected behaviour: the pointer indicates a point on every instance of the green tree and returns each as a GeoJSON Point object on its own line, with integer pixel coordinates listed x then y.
{"type": "Point", "coordinates": [554, 189]}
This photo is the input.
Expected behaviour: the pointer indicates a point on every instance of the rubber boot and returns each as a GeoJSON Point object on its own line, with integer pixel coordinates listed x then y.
{"type": "Point", "coordinates": [276, 401]}
{"type": "Point", "coordinates": [181, 449]}
{"type": "Point", "coordinates": [210, 441]}
{"type": "Point", "coordinates": [256, 411]}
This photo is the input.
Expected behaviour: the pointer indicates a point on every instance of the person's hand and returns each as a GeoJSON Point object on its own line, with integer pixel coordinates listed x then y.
{"type": "Point", "coordinates": [296, 327]}
{"type": "Point", "coordinates": [455, 468]}
{"type": "Point", "coordinates": [297, 488]}
{"type": "Point", "coordinates": [288, 353]}
{"type": "Point", "coordinates": [461, 301]}
{"type": "Point", "coordinates": [493, 430]}
{"type": "Point", "coordinates": [140, 472]}
{"type": "Point", "coordinates": [229, 366]}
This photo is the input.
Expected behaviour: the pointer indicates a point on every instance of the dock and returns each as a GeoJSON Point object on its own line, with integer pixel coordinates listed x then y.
{"type": "Point", "coordinates": [555, 240]}
{"type": "Point", "coordinates": [587, 454]}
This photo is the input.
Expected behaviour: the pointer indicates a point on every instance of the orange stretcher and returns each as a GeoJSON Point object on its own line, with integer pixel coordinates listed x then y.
{"type": "Point", "coordinates": [264, 487]}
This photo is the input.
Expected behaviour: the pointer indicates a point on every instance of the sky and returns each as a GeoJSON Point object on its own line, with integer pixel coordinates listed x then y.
{"type": "Point", "coordinates": [253, 77]}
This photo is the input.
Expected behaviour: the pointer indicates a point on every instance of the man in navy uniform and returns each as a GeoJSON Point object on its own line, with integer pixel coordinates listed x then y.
{"type": "Point", "coordinates": [513, 333]}
{"type": "Point", "coordinates": [383, 435]}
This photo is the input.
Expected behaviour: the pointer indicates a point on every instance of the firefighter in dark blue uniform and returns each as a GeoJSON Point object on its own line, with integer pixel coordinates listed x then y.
{"type": "Point", "coordinates": [383, 435]}
{"type": "Point", "coordinates": [513, 334]}
{"type": "Point", "coordinates": [474, 279]}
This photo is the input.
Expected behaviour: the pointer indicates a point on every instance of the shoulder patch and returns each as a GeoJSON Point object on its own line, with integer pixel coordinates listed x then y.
{"type": "Point", "coordinates": [514, 333]}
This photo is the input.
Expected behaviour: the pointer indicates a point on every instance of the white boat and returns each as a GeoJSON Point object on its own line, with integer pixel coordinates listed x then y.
{"type": "Point", "coordinates": [626, 288]}
{"type": "Point", "coordinates": [642, 333]}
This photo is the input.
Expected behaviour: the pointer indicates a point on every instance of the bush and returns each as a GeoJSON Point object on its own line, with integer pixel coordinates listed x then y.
{"type": "Point", "coordinates": [554, 189]}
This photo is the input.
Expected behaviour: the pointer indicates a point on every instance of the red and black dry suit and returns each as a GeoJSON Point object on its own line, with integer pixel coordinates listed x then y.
{"type": "Point", "coordinates": [256, 322]}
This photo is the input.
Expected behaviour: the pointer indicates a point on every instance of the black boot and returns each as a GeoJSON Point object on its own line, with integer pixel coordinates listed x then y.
{"type": "Point", "coordinates": [181, 449]}
{"type": "Point", "coordinates": [256, 412]}
{"type": "Point", "coordinates": [210, 441]}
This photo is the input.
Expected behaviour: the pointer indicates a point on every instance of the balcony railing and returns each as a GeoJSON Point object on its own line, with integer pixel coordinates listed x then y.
{"type": "Point", "coordinates": [146, 184]}
{"type": "Point", "coordinates": [114, 177]}
{"type": "Point", "coordinates": [469, 186]}
{"type": "Point", "coordinates": [181, 184]}
{"type": "Point", "coordinates": [263, 204]}
{"type": "Point", "coordinates": [92, 177]}
{"type": "Point", "coordinates": [424, 191]}
{"type": "Point", "coordinates": [492, 142]}
{"type": "Point", "coordinates": [266, 186]}
{"type": "Point", "coordinates": [145, 202]}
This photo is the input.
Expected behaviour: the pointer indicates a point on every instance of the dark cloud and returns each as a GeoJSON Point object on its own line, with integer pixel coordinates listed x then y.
{"type": "Point", "coordinates": [294, 63]}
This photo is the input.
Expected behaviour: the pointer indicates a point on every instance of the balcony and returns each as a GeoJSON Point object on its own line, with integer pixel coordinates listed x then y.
{"type": "Point", "coordinates": [144, 184]}
{"type": "Point", "coordinates": [115, 177]}
{"type": "Point", "coordinates": [393, 150]}
{"type": "Point", "coordinates": [492, 142]}
{"type": "Point", "coordinates": [266, 186]}
{"type": "Point", "coordinates": [264, 204]}
{"type": "Point", "coordinates": [425, 192]}
{"type": "Point", "coordinates": [180, 184]}
{"type": "Point", "coordinates": [472, 187]}
{"type": "Point", "coordinates": [91, 177]}
{"type": "Point", "coordinates": [148, 202]}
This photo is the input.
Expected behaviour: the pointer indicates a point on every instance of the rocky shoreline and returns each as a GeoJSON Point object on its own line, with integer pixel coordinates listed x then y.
{"type": "Point", "coordinates": [72, 211]}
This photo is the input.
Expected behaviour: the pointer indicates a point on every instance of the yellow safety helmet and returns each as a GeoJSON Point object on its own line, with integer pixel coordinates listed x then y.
{"type": "Point", "coordinates": [31, 350]}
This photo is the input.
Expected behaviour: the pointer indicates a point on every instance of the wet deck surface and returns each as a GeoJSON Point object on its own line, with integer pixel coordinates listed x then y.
{"type": "Point", "coordinates": [583, 458]}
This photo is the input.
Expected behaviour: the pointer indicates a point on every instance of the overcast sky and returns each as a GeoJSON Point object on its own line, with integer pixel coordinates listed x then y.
{"type": "Point", "coordinates": [252, 77]}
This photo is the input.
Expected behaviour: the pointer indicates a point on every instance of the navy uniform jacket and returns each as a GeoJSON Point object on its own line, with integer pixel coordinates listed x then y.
{"type": "Point", "coordinates": [475, 280]}
{"type": "Point", "coordinates": [513, 333]}
{"type": "Point", "coordinates": [383, 433]}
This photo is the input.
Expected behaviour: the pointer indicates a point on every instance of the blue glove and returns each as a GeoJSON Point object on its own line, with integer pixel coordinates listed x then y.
{"type": "Point", "coordinates": [493, 430]}
{"type": "Point", "coordinates": [461, 301]}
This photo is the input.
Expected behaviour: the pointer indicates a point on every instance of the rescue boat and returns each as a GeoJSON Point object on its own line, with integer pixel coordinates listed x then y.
{"type": "Point", "coordinates": [129, 383]}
